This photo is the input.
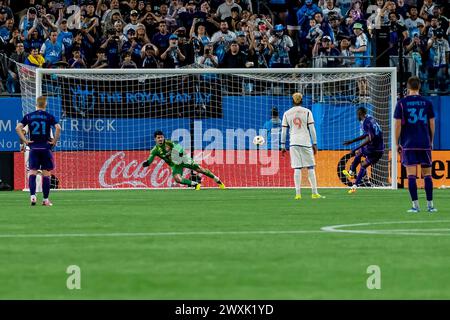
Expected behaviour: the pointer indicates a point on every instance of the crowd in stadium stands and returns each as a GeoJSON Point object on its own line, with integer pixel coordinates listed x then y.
{"type": "Point", "coordinates": [223, 34]}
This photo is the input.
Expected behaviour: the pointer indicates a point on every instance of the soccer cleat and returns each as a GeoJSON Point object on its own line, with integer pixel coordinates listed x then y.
{"type": "Point", "coordinates": [413, 210]}
{"type": "Point", "coordinates": [431, 209]}
{"type": "Point", "coordinates": [33, 200]}
{"type": "Point", "coordinates": [221, 186]}
{"type": "Point", "coordinates": [198, 186]}
{"type": "Point", "coordinates": [317, 196]}
{"type": "Point", "coordinates": [47, 203]}
{"type": "Point", "coordinates": [348, 174]}
{"type": "Point", "coordinates": [352, 190]}
{"type": "Point", "coordinates": [298, 197]}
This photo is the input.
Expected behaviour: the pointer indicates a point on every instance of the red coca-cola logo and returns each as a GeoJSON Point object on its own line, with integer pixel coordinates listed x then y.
{"type": "Point", "coordinates": [120, 171]}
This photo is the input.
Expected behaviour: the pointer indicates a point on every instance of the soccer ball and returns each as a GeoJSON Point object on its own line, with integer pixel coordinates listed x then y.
{"type": "Point", "coordinates": [258, 140]}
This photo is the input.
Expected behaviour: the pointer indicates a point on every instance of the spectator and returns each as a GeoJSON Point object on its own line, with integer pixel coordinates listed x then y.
{"type": "Point", "coordinates": [187, 14]}
{"type": "Point", "coordinates": [345, 53]}
{"type": "Point", "coordinates": [282, 44]}
{"type": "Point", "coordinates": [329, 8]}
{"type": "Point", "coordinates": [167, 18]}
{"type": "Point", "coordinates": [434, 25]}
{"type": "Point", "coordinates": [134, 23]}
{"type": "Point", "coordinates": [413, 20]}
{"type": "Point", "coordinates": [118, 28]}
{"type": "Point", "coordinates": [356, 9]}
{"type": "Point", "coordinates": [374, 8]}
{"type": "Point", "coordinates": [198, 32]}
{"type": "Point", "coordinates": [443, 21]}
{"type": "Point", "coordinates": [161, 39]}
{"type": "Point", "coordinates": [397, 34]}
{"type": "Point", "coordinates": [345, 5]}
{"type": "Point", "coordinates": [134, 45]}
{"type": "Point", "coordinates": [427, 9]}
{"type": "Point", "coordinates": [113, 46]}
{"type": "Point", "coordinates": [305, 14]}
{"type": "Point", "coordinates": [114, 6]}
{"type": "Point", "coordinates": [234, 58]}
{"type": "Point", "coordinates": [127, 62]}
{"type": "Point", "coordinates": [149, 57]}
{"type": "Point", "coordinates": [65, 37]}
{"type": "Point", "coordinates": [114, 17]}
{"type": "Point", "coordinates": [19, 56]}
{"type": "Point", "coordinates": [314, 32]}
{"type": "Point", "coordinates": [234, 19]}
{"type": "Point", "coordinates": [172, 57]}
{"type": "Point", "coordinates": [222, 39]}
{"type": "Point", "coordinates": [77, 61]}
{"type": "Point", "coordinates": [337, 34]}
{"type": "Point", "coordinates": [361, 49]}
{"type": "Point", "coordinates": [438, 59]}
{"type": "Point", "coordinates": [35, 59]}
{"type": "Point", "coordinates": [93, 19]}
{"type": "Point", "coordinates": [102, 60]}
{"type": "Point", "coordinates": [208, 59]}
{"type": "Point", "coordinates": [263, 53]}
{"type": "Point", "coordinates": [16, 38]}
{"type": "Point", "coordinates": [29, 21]}
{"type": "Point", "coordinates": [402, 9]}
{"type": "Point", "coordinates": [324, 50]}
{"type": "Point", "coordinates": [52, 50]}
{"type": "Point", "coordinates": [224, 10]}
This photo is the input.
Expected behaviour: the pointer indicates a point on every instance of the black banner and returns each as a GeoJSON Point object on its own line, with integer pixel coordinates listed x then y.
{"type": "Point", "coordinates": [118, 97]}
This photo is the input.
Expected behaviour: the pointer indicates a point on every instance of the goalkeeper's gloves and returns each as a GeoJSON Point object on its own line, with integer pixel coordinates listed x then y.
{"type": "Point", "coordinates": [145, 163]}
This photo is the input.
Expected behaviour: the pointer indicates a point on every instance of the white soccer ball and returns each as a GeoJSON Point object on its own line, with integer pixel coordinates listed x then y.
{"type": "Point", "coordinates": [258, 140]}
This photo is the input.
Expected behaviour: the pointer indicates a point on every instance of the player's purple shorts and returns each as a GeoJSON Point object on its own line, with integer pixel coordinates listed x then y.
{"type": "Point", "coordinates": [416, 157]}
{"type": "Point", "coordinates": [372, 157]}
{"type": "Point", "coordinates": [41, 159]}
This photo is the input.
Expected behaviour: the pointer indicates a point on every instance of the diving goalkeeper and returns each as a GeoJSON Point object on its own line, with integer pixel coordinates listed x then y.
{"type": "Point", "coordinates": [173, 154]}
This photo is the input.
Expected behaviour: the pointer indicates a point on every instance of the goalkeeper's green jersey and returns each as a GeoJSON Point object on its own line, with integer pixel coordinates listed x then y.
{"type": "Point", "coordinates": [165, 151]}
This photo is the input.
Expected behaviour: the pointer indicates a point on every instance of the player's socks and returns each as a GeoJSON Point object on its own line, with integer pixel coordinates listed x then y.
{"type": "Point", "coordinates": [355, 163]}
{"type": "Point", "coordinates": [46, 186]}
{"type": "Point", "coordinates": [361, 174]}
{"type": "Point", "coordinates": [298, 181]}
{"type": "Point", "coordinates": [412, 187]}
{"type": "Point", "coordinates": [312, 180]}
{"type": "Point", "coordinates": [32, 184]}
{"type": "Point", "coordinates": [428, 181]}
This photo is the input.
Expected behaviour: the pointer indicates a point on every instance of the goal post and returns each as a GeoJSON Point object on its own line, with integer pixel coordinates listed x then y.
{"type": "Point", "coordinates": [108, 118]}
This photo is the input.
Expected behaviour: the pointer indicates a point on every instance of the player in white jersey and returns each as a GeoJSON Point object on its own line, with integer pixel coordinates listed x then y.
{"type": "Point", "coordinates": [300, 122]}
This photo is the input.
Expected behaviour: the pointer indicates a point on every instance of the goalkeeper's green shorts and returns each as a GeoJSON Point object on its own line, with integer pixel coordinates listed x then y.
{"type": "Point", "coordinates": [178, 168]}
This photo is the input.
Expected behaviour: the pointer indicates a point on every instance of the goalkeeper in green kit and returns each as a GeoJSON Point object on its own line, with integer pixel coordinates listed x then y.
{"type": "Point", "coordinates": [173, 154]}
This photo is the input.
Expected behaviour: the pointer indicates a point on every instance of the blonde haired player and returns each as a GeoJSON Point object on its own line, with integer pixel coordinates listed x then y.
{"type": "Point", "coordinates": [303, 143]}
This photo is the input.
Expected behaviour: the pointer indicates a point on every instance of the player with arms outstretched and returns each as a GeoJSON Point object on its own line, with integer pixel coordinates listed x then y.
{"type": "Point", "coordinates": [300, 122]}
{"type": "Point", "coordinates": [40, 123]}
{"type": "Point", "coordinates": [414, 133]}
{"type": "Point", "coordinates": [371, 148]}
{"type": "Point", "coordinates": [173, 154]}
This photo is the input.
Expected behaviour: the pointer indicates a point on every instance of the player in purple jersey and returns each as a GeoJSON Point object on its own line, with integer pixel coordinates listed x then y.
{"type": "Point", "coordinates": [371, 149]}
{"type": "Point", "coordinates": [39, 123]}
{"type": "Point", "coordinates": [414, 133]}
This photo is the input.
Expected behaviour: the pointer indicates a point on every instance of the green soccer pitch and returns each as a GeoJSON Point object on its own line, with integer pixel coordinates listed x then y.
{"type": "Point", "coordinates": [224, 244]}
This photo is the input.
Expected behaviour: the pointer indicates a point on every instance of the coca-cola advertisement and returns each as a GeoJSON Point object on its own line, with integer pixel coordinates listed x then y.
{"type": "Point", "coordinates": [123, 169]}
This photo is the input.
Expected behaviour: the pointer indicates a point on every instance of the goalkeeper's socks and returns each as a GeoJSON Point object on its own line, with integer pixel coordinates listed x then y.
{"type": "Point", "coordinates": [32, 184]}
{"type": "Point", "coordinates": [188, 182]}
{"type": "Point", "coordinates": [209, 174]}
{"type": "Point", "coordinates": [46, 187]}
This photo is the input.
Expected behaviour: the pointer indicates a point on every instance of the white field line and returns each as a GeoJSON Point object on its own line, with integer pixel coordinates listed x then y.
{"type": "Point", "coordinates": [156, 234]}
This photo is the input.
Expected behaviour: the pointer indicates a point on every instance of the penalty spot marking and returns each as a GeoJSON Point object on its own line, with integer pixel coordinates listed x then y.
{"type": "Point", "coordinates": [407, 232]}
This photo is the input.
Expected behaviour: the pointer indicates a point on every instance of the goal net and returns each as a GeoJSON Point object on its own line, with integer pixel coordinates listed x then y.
{"type": "Point", "coordinates": [109, 116]}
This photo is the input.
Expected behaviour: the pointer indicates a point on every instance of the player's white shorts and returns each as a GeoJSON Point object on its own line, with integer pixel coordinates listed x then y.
{"type": "Point", "coordinates": [301, 157]}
